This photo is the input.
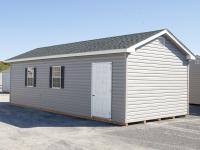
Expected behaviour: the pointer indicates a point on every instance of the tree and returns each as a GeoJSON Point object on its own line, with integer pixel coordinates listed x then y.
{"type": "Point", "coordinates": [3, 66]}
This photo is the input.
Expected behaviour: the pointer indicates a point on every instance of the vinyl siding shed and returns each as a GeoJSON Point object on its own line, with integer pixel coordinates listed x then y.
{"type": "Point", "coordinates": [195, 81]}
{"type": "Point", "coordinates": [121, 79]}
{"type": "Point", "coordinates": [6, 80]}
{"type": "Point", "coordinates": [1, 90]}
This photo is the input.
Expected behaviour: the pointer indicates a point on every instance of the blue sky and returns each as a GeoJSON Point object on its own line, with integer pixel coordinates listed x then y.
{"type": "Point", "coordinates": [25, 25]}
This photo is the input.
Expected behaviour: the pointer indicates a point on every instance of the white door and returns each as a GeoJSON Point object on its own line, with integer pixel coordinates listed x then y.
{"type": "Point", "coordinates": [101, 89]}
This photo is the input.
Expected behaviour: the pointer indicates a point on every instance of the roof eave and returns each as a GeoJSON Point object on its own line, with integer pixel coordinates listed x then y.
{"type": "Point", "coordinates": [189, 54]}
{"type": "Point", "coordinates": [69, 55]}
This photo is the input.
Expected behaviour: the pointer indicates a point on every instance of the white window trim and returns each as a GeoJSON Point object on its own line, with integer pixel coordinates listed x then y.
{"type": "Point", "coordinates": [28, 77]}
{"type": "Point", "coordinates": [52, 78]}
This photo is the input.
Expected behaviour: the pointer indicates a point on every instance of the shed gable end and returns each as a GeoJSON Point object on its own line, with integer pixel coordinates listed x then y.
{"type": "Point", "coordinates": [156, 82]}
{"type": "Point", "coordinates": [164, 47]}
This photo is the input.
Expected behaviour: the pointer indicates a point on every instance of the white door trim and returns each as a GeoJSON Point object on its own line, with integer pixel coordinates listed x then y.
{"type": "Point", "coordinates": [92, 103]}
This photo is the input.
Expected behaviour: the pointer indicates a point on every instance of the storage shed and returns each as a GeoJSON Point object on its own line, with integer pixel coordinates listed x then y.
{"type": "Point", "coordinates": [195, 81]}
{"type": "Point", "coordinates": [1, 90]}
{"type": "Point", "coordinates": [6, 80]}
{"type": "Point", "coordinates": [119, 79]}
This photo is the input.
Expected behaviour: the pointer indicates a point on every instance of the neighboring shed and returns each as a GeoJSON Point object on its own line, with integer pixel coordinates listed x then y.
{"type": "Point", "coordinates": [6, 80]}
{"type": "Point", "coordinates": [120, 79]}
{"type": "Point", "coordinates": [195, 81]}
{"type": "Point", "coordinates": [1, 90]}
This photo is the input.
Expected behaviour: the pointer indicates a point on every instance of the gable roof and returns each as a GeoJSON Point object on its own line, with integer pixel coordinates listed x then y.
{"type": "Point", "coordinates": [116, 44]}
{"type": "Point", "coordinates": [110, 43]}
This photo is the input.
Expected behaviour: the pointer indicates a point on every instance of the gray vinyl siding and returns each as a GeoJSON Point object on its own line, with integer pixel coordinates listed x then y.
{"type": "Point", "coordinates": [156, 82]}
{"type": "Point", "coordinates": [194, 82]}
{"type": "Point", "coordinates": [75, 98]}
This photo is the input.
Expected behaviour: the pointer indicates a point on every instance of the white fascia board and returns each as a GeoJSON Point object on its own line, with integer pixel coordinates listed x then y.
{"type": "Point", "coordinates": [70, 55]}
{"type": "Point", "coordinates": [132, 49]}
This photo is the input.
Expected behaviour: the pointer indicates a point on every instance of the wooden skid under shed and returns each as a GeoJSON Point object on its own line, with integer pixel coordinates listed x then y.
{"type": "Point", "coordinates": [154, 120]}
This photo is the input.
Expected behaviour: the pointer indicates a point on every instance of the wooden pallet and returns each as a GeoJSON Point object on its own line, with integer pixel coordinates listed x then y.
{"type": "Point", "coordinates": [156, 120]}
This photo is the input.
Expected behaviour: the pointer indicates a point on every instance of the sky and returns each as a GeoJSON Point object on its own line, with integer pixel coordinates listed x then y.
{"type": "Point", "coordinates": [25, 25]}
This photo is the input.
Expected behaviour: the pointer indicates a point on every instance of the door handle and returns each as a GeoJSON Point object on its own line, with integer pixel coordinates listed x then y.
{"type": "Point", "coordinates": [93, 95]}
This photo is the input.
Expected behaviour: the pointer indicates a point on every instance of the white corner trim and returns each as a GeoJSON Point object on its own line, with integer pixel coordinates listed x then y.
{"type": "Point", "coordinates": [132, 49]}
{"type": "Point", "coordinates": [70, 55]}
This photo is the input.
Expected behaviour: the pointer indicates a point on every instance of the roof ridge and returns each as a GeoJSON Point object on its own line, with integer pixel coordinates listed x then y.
{"type": "Point", "coordinates": [101, 38]}
{"type": "Point", "coordinates": [106, 43]}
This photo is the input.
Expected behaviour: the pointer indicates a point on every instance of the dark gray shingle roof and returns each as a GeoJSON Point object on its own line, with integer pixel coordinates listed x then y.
{"type": "Point", "coordinates": [117, 42]}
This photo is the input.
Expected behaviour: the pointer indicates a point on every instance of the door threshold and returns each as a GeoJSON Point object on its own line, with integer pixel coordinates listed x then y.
{"type": "Point", "coordinates": [102, 119]}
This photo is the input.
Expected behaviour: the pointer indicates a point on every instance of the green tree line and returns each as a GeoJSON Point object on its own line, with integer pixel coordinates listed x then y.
{"type": "Point", "coordinates": [3, 66]}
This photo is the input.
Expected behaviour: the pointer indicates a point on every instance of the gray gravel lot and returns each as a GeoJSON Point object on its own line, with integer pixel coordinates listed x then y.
{"type": "Point", "coordinates": [27, 129]}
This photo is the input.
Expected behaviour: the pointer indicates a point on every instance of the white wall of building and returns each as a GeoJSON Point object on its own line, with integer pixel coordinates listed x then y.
{"type": "Point", "coordinates": [5, 80]}
{"type": "Point", "coordinates": [0, 81]}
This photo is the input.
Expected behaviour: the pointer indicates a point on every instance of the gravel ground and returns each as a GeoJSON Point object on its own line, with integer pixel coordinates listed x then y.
{"type": "Point", "coordinates": [27, 129]}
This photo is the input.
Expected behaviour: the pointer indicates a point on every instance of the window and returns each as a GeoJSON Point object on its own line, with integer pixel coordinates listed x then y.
{"type": "Point", "coordinates": [30, 77]}
{"type": "Point", "coordinates": [56, 77]}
